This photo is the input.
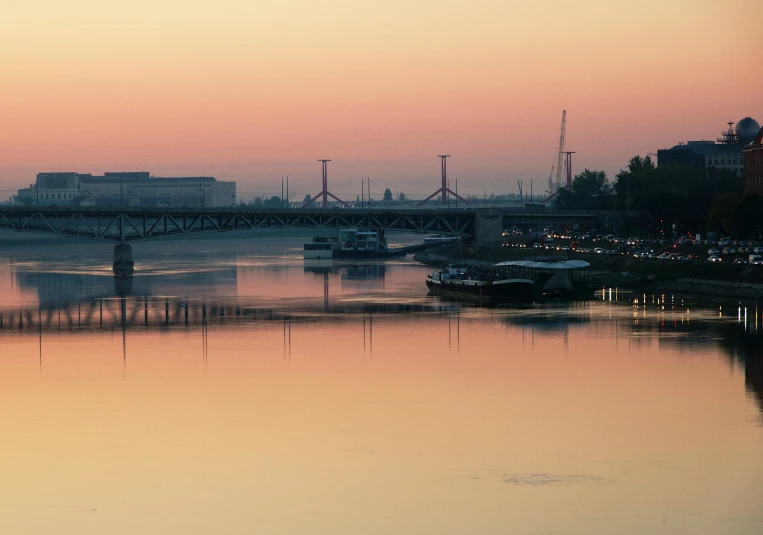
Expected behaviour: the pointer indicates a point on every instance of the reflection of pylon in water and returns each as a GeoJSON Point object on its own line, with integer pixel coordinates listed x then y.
{"type": "Point", "coordinates": [444, 189]}
{"type": "Point", "coordinates": [325, 193]}
{"type": "Point", "coordinates": [326, 290]}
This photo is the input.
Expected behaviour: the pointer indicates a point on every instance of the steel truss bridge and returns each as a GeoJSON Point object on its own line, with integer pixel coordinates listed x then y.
{"type": "Point", "coordinates": [124, 225]}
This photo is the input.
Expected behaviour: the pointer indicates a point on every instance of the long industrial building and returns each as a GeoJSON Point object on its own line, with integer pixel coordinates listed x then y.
{"type": "Point", "coordinates": [126, 189]}
{"type": "Point", "coordinates": [726, 153]}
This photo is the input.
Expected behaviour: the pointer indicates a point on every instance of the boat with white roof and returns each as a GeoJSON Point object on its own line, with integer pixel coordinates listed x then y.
{"type": "Point", "coordinates": [558, 278]}
{"type": "Point", "coordinates": [506, 281]}
{"type": "Point", "coordinates": [479, 284]}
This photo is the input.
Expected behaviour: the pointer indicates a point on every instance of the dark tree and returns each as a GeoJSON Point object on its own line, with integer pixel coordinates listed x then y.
{"type": "Point", "coordinates": [590, 190]}
{"type": "Point", "coordinates": [679, 195]}
{"type": "Point", "coordinates": [273, 202]}
{"type": "Point", "coordinates": [747, 220]}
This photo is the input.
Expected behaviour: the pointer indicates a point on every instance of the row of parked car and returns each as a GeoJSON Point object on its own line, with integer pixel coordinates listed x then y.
{"type": "Point", "coordinates": [597, 250]}
{"type": "Point", "coordinates": [649, 254]}
{"type": "Point", "coordinates": [646, 254]}
{"type": "Point", "coordinates": [730, 251]}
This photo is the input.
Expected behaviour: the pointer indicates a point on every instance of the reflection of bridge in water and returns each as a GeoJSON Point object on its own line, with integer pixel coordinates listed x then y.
{"type": "Point", "coordinates": [151, 312]}
{"type": "Point", "coordinates": [740, 341]}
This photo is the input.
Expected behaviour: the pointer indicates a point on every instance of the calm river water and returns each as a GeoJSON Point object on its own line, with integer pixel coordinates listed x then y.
{"type": "Point", "coordinates": [233, 389]}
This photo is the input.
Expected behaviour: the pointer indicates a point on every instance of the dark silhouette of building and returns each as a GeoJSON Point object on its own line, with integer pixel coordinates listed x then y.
{"type": "Point", "coordinates": [725, 153]}
{"type": "Point", "coordinates": [753, 165]}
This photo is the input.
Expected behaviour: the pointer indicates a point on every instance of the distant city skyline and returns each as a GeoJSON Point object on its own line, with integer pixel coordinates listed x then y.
{"type": "Point", "coordinates": [254, 91]}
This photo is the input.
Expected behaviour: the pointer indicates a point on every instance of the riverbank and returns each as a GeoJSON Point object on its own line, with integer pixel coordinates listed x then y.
{"type": "Point", "coordinates": [652, 276]}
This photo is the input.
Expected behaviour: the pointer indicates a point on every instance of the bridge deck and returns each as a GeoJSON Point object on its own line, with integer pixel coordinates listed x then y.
{"type": "Point", "coordinates": [132, 224]}
{"type": "Point", "coordinates": [122, 225]}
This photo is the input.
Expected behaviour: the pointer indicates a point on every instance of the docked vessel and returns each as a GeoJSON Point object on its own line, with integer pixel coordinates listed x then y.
{"type": "Point", "coordinates": [556, 278]}
{"type": "Point", "coordinates": [320, 248]}
{"type": "Point", "coordinates": [482, 285]}
{"type": "Point", "coordinates": [364, 243]}
{"type": "Point", "coordinates": [352, 243]}
{"type": "Point", "coordinates": [514, 280]}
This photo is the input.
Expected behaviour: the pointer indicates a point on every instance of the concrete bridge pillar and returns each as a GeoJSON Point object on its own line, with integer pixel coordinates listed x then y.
{"type": "Point", "coordinates": [488, 228]}
{"type": "Point", "coordinates": [123, 264]}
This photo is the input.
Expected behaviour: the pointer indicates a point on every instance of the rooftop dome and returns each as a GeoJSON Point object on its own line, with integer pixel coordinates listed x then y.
{"type": "Point", "coordinates": [747, 129]}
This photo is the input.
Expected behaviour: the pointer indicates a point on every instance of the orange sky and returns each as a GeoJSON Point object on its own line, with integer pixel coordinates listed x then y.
{"type": "Point", "coordinates": [252, 91]}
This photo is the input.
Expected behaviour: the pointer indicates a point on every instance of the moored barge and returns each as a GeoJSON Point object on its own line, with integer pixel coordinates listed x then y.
{"type": "Point", "coordinates": [479, 285]}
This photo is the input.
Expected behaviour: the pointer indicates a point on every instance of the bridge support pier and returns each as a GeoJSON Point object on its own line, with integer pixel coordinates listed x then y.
{"type": "Point", "coordinates": [122, 285]}
{"type": "Point", "coordinates": [488, 228]}
{"type": "Point", "coordinates": [123, 264]}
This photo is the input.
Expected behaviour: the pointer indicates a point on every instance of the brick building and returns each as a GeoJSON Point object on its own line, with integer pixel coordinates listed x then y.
{"type": "Point", "coordinates": [753, 165]}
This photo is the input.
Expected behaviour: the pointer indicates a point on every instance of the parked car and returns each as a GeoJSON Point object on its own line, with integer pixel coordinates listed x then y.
{"type": "Point", "coordinates": [713, 252]}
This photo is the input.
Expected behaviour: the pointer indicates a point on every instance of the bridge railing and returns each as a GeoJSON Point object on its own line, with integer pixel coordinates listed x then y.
{"type": "Point", "coordinates": [132, 224]}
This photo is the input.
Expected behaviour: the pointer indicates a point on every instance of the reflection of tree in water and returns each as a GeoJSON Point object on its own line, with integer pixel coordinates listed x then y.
{"type": "Point", "coordinates": [745, 347]}
{"type": "Point", "coordinates": [742, 346]}
{"type": "Point", "coordinates": [753, 379]}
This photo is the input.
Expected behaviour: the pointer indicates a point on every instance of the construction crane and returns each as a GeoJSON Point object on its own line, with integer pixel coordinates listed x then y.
{"type": "Point", "coordinates": [562, 134]}
{"type": "Point", "coordinates": [553, 186]}
{"type": "Point", "coordinates": [551, 181]}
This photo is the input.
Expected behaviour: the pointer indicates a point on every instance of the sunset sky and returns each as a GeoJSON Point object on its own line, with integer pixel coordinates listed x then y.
{"type": "Point", "coordinates": [255, 90]}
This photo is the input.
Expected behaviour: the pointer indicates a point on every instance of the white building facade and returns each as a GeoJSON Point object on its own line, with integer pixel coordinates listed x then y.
{"type": "Point", "coordinates": [127, 190]}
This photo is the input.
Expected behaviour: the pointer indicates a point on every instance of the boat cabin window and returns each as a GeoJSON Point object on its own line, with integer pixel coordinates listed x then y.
{"type": "Point", "coordinates": [347, 235]}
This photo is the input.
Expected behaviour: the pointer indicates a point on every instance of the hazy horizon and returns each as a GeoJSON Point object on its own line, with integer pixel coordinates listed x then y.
{"type": "Point", "coordinates": [251, 93]}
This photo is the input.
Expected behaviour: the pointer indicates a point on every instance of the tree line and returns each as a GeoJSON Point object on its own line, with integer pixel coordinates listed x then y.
{"type": "Point", "coordinates": [670, 199]}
